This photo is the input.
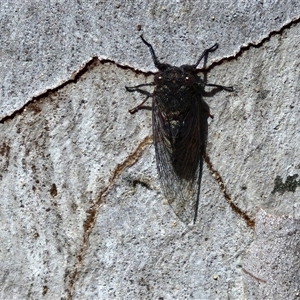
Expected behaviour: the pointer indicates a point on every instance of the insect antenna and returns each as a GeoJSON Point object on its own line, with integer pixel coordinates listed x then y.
{"type": "Point", "coordinates": [205, 55]}
{"type": "Point", "coordinates": [157, 64]}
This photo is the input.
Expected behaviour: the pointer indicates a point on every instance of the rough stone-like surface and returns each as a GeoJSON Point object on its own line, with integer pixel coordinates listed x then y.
{"type": "Point", "coordinates": [272, 263]}
{"type": "Point", "coordinates": [43, 43]}
{"type": "Point", "coordinates": [82, 215]}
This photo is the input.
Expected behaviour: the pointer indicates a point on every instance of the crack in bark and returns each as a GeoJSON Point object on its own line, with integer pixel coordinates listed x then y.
{"type": "Point", "coordinates": [75, 76]}
{"type": "Point", "coordinates": [84, 68]}
{"type": "Point", "coordinates": [91, 213]}
{"type": "Point", "coordinates": [257, 44]}
{"type": "Point", "coordinates": [234, 207]}
{"type": "Point", "coordinates": [255, 277]}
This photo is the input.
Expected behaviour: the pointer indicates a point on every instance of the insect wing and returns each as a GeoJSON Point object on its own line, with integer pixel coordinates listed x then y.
{"type": "Point", "coordinates": [180, 166]}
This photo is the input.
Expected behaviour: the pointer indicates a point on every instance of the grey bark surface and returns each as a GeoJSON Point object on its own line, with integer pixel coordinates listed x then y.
{"type": "Point", "coordinates": [82, 214]}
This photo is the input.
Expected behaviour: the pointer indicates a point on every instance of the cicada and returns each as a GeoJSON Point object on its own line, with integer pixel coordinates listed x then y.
{"type": "Point", "coordinates": [180, 128]}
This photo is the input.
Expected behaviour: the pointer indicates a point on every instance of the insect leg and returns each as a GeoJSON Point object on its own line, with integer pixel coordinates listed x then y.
{"type": "Point", "coordinates": [135, 88]}
{"type": "Point", "coordinates": [141, 105]}
{"type": "Point", "coordinates": [205, 107]}
{"type": "Point", "coordinates": [225, 88]}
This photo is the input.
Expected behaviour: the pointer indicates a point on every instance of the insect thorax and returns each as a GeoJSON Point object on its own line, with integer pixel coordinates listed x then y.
{"type": "Point", "coordinates": [175, 89]}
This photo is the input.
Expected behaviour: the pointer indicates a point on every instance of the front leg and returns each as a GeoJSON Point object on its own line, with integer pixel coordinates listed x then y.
{"type": "Point", "coordinates": [137, 89]}
{"type": "Point", "coordinates": [140, 106]}
{"type": "Point", "coordinates": [221, 87]}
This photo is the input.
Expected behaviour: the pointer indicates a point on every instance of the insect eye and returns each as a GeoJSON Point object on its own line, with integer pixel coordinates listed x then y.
{"type": "Point", "coordinates": [158, 79]}
{"type": "Point", "coordinates": [189, 80]}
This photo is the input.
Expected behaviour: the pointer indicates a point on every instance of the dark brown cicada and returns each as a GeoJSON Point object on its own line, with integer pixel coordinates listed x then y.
{"type": "Point", "coordinates": [179, 116]}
